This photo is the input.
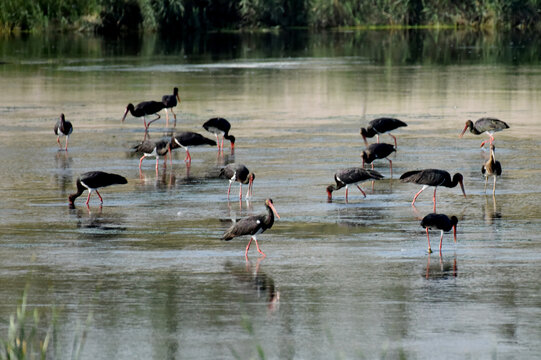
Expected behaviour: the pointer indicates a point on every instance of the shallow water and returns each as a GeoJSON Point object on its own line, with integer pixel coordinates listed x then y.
{"type": "Point", "coordinates": [344, 280]}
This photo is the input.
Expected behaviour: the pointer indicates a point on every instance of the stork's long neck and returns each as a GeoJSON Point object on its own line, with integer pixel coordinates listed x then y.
{"type": "Point", "coordinates": [80, 189]}
{"type": "Point", "coordinates": [269, 219]}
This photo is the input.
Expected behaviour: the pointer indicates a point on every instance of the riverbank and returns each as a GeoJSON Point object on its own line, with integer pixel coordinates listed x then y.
{"type": "Point", "coordinates": [181, 16]}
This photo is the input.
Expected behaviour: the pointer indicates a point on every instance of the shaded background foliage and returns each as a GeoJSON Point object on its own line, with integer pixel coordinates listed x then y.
{"type": "Point", "coordinates": [113, 16]}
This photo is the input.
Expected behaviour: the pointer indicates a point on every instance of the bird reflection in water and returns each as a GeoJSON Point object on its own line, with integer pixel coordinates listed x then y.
{"type": "Point", "coordinates": [109, 222]}
{"type": "Point", "coordinates": [232, 212]}
{"type": "Point", "coordinates": [257, 281]}
{"type": "Point", "coordinates": [492, 211]}
{"type": "Point", "coordinates": [63, 175]}
{"type": "Point", "coordinates": [166, 180]}
{"type": "Point", "coordinates": [442, 269]}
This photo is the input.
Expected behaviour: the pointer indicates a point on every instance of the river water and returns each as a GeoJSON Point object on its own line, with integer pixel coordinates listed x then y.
{"type": "Point", "coordinates": [340, 279]}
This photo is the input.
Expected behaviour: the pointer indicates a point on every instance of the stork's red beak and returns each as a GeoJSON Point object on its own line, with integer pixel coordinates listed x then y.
{"type": "Point", "coordinates": [463, 131]}
{"type": "Point", "coordinates": [365, 142]}
{"type": "Point", "coordinates": [462, 187]}
{"type": "Point", "coordinates": [125, 113]}
{"type": "Point", "coordinates": [273, 210]}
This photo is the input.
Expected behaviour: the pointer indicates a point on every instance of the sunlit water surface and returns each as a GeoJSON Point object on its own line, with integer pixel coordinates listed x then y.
{"type": "Point", "coordinates": [340, 280]}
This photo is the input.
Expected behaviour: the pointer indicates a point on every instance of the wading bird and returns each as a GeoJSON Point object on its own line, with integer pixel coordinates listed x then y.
{"type": "Point", "coordinates": [351, 176]}
{"type": "Point", "coordinates": [143, 109]}
{"type": "Point", "coordinates": [155, 149]}
{"type": "Point", "coordinates": [491, 167]}
{"type": "Point", "coordinates": [253, 225]}
{"type": "Point", "coordinates": [93, 180]}
{"type": "Point", "coordinates": [432, 177]}
{"type": "Point", "coordinates": [441, 222]}
{"type": "Point", "coordinates": [378, 151]}
{"type": "Point", "coordinates": [238, 172]}
{"type": "Point", "coordinates": [63, 127]}
{"type": "Point", "coordinates": [170, 101]}
{"type": "Point", "coordinates": [220, 127]}
{"type": "Point", "coordinates": [379, 126]}
{"type": "Point", "coordinates": [485, 125]}
{"type": "Point", "coordinates": [186, 139]}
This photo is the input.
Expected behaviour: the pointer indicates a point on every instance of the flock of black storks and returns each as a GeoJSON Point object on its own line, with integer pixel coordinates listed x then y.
{"type": "Point", "coordinates": [427, 177]}
{"type": "Point", "coordinates": [236, 172]}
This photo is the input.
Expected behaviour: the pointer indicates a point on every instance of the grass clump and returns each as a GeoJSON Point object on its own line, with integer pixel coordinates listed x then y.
{"type": "Point", "coordinates": [29, 337]}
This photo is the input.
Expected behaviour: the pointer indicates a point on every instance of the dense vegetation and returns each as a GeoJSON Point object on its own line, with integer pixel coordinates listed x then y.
{"type": "Point", "coordinates": [113, 16]}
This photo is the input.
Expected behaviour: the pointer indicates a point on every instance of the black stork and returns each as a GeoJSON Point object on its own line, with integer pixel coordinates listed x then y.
{"type": "Point", "coordinates": [220, 127]}
{"type": "Point", "coordinates": [485, 125]}
{"type": "Point", "coordinates": [253, 225]}
{"type": "Point", "coordinates": [155, 149]}
{"type": "Point", "coordinates": [93, 180]}
{"type": "Point", "coordinates": [378, 151]}
{"type": "Point", "coordinates": [186, 139]}
{"type": "Point", "coordinates": [143, 109]}
{"type": "Point", "coordinates": [63, 127]}
{"type": "Point", "coordinates": [351, 176]}
{"type": "Point", "coordinates": [441, 222]}
{"type": "Point", "coordinates": [432, 177]}
{"type": "Point", "coordinates": [238, 172]}
{"type": "Point", "coordinates": [381, 125]}
{"type": "Point", "coordinates": [491, 167]}
{"type": "Point", "coordinates": [170, 101]}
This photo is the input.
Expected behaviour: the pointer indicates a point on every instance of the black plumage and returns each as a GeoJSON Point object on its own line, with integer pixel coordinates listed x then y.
{"type": "Point", "coordinates": [155, 149]}
{"type": "Point", "coordinates": [220, 127]}
{"type": "Point", "coordinates": [170, 101]}
{"type": "Point", "coordinates": [240, 173]}
{"type": "Point", "coordinates": [186, 139]}
{"type": "Point", "coordinates": [143, 109]}
{"type": "Point", "coordinates": [441, 222]}
{"type": "Point", "coordinates": [432, 177]}
{"type": "Point", "coordinates": [379, 126]}
{"type": "Point", "coordinates": [485, 125]}
{"type": "Point", "coordinates": [63, 127]}
{"type": "Point", "coordinates": [253, 225]}
{"type": "Point", "coordinates": [93, 180]}
{"type": "Point", "coordinates": [352, 176]}
{"type": "Point", "coordinates": [378, 151]}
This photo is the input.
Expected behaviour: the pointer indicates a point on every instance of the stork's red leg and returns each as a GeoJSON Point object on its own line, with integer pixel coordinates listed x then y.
{"type": "Point", "coordinates": [434, 198]}
{"type": "Point", "coordinates": [428, 238]}
{"type": "Point", "coordinates": [441, 239]}
{"type": "Point", "coordinates": [247, 248]}
{"type": "Point", "coordinates": [358, 187]}
{"type": "Point", "coordinates": [416, 195]}
{"type": "Point", "coordinates": [394, 140]}
{"type": "Point", "coordinates": [258, 249]}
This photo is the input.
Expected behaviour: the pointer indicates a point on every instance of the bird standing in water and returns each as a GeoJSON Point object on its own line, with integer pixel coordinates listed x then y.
{"type": "Point", "coordinates": [491, 167]}
{"type": "Point", "coordinates": [432, 177]}
{"type": "Point", "coordinates": [151, 148]}
{"type": "Point", "coordinates": [380, 126]}
{"type": "Point", "coordinates": [143, 109]}
{"type": "Point", "coordinates": [351, 176]}
{"type": "Point", "coordinates": [240, 173]}
{"type": "Point", "coordinates": [485, 125]}
{"type": "Point", "coordinates": [378, 151]}
{"type": "Point", "coordinates": [63, 127]}
{"type": "Point", "coordinates": [186, 139]}
{"type": "Point", "coordinates": [93, 180]}
{"type": "Point", "coordinates": [253, 225]}
{"type": "Point", "coordinates": [220, 127]}
{"type": "Point", "coordinates": [170, 101]}
{"type": "Point", "coordinates": [441, 222]}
